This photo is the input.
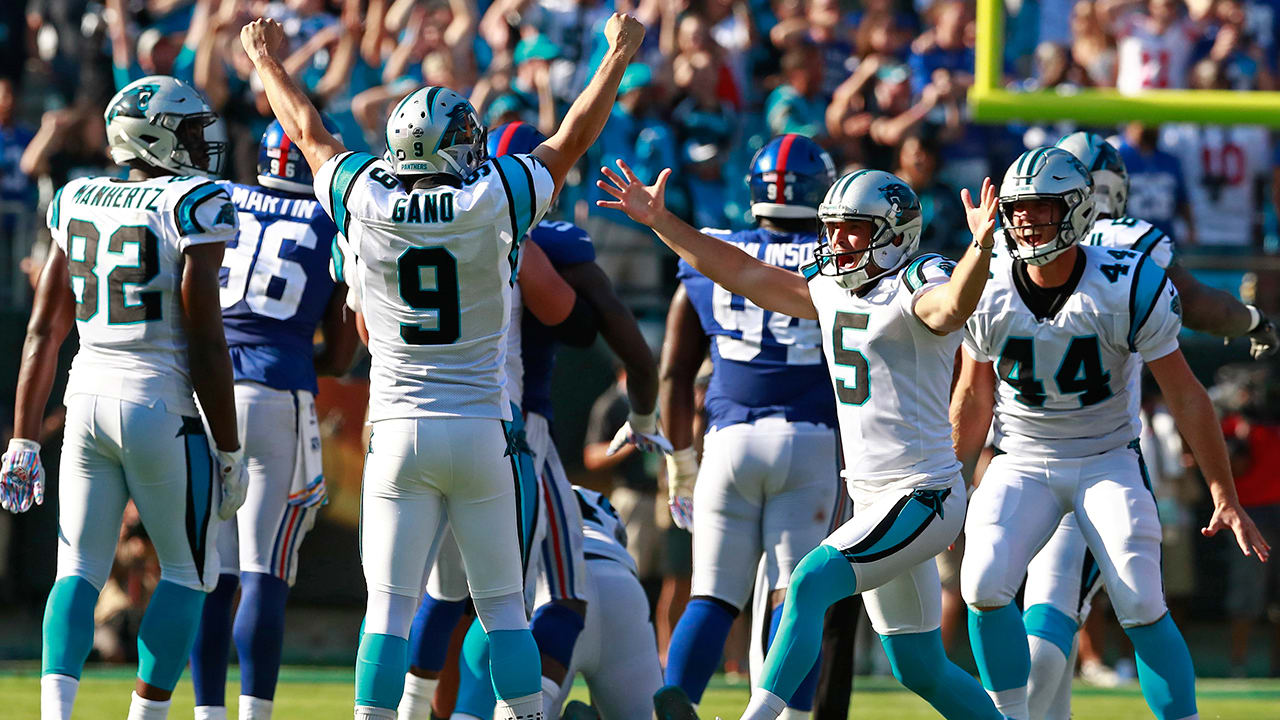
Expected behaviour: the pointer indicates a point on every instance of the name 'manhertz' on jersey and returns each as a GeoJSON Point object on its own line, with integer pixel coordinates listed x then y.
{"type": "Point", "coordinates": [115, 195]}
{"type": "Point", "coordinates": [423, 208]}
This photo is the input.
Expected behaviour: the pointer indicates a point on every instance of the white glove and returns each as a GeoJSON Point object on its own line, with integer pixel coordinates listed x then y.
{"type": "Point", "coordinates": [235, 481]}
{"type": "Point", "coordinates": [641, 431]}
{"type": "Point", "coordinates": [344, 267]}
{"type": "Point", "coordinates": [682, 473]}
{"type": "Point", "coordinates": [1263, 338]}
{"type": "Point", "coordinates": [21, 476]}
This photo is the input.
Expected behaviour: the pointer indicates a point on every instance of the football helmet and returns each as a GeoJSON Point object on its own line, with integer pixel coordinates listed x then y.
{"type": "Point", "coordinates": [1047, 173]}
{"type": "Point", "coordinates": [789, 177]}
{"type": "Point", "coordinates": [435, 130]}
{"type": "Point", "coordinates": [1103, 161]}
{"type": "Point", "coordinates": [893, 209]}
{"type": "Point", "coordinates": [514, 138]}
{"type": "Point", "coordinates": [281, 165]}
{"type": "Point", "coordinates": [168, 124]}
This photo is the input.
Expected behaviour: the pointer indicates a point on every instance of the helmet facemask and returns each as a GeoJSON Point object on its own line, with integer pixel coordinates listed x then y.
{"type": "Point", "coordinates": [854, 268]}
{"type": "Point", "coordinates": [201, 144]}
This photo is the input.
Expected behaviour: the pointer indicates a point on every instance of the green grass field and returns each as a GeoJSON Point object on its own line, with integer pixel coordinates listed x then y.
{"type": "Point", "coordinates": [325, 694]}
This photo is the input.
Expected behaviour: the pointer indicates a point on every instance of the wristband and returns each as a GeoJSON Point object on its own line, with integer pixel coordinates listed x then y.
{"type": "Point", "coordinates": [644, 424]}
{"type": "Point", "coordinates": [1255, 317]}
{"type": "Point", "coordinates": [23, 444]}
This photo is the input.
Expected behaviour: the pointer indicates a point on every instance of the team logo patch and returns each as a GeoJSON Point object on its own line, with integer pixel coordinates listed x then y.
{"type": "Point", "coordinates": [133, 103]}
{"type": "Point", "coordinates": [903, 203]}
{"type": "Point", "coordinates": [419, 132]}
{"type": "Point", "coordinates": [1175, 305]}
{"type": "Point", "coordinates": [226, 215]}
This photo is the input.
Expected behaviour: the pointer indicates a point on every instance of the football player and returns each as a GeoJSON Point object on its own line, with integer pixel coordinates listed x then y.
{"type": "Point", "coordinates": [275, 291]}
{"type": "Point", "coordinates": [435, 237]}
{"type": "Point", "coordinates": [889, 336]}
{"type": "Point", "coordinates": [1063, 576]}
{"type": "Point", "coordinates": [770, 470]}
{"type": "Point", "coordinates": [1068, 441]}
{"type": "Point", "coordinates": [558, 535]}
{"type": "Point", "coordinates": [135, 266]}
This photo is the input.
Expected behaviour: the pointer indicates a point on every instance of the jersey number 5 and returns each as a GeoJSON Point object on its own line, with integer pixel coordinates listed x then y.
{"type": "Point", "coordinates": [428, 279]}
{"type": "Point", "coordinates": [858, 393]}
{"type": "Point", "coordinates": [119, 310]}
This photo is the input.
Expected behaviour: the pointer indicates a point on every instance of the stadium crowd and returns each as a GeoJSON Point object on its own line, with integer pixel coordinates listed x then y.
{"type": "Point", "coordinates": [878, 83]}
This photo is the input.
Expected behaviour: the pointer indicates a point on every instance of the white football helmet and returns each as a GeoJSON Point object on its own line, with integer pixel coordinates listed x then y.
{"type": "Point", "coordinates": [892, 207]}
{"type": "Point", "coordinates": [435, 130]}
{"type": "Point", "coordinates": [1103, 161]}
{"type": "Point", "coordinates": [1049, 173]}
{"type": "Point", "coordinates": [166, 123]}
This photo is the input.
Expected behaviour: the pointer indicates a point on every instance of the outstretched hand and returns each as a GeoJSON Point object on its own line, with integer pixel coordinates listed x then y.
{"type": "Point", "coordinates": [1235, 519]}
{"type": "Point", "coordinates": [642, 203]}
{"type": "Point", "coordinates": [982, 217]}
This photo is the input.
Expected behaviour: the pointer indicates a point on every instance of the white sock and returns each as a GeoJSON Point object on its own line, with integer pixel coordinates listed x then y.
{"type": "Point", "coordinates": [415, 703]}
{"type": "Point", "coordinates": [1012, 703]}
{"type": "Point", "coordinates": [763, 705]}
{"type": "Point", "coordinates": [141, 708]}
{"type": "Point", "coordinates": [57, 695]}
{"type": "Point", "coordinates": [791, 713]}
{"type": "Point", "coordinates": [368, 712]}
{"type": "Point", "coordinates": [211, 712]}
{"type": "Point", "coordinates": [1060, 709]}
{"type": "Point", "coordinates": [525, 707]}
{"type": "Point", "coordinates": [463, 716]}
{"type": "Point", "coordinates": [1048, 667]}
{"type": "Point", "coordinates": [255, 708]}
{"type": "Point", "coordinates": [550, 697]}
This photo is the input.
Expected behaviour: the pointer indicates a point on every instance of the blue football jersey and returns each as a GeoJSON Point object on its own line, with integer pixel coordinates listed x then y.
{"type": "Point", "coordinates": [764, 363]}
{"type": "Point", "coordinates": [565, 244]}
{"type": "Point", "coordinates": [275, 285]}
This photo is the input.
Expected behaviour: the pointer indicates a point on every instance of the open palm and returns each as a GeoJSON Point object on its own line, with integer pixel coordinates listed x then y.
{"type": "Point", "coordinates": [642, 203]}
{"type": "Point", "coordinates": [981, 217]}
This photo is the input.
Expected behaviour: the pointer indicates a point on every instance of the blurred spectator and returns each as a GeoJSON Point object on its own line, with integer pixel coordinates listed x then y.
{"type": "Point", "coordinates": [1154, 42]}
{"type": "Point", "coordinates": [71, 143]}
{"type": "Point", "coordinates": [134, 576]}
{"type": "Point", "coordinates": [690, 47]}
{"type": "Point", "coordinates": [797, 105]}
{"type": "Point", "coordinates": [947, 49]}
{"type": "Point", "coordinates": [15, 185]}
{"type": "Point", "coordinates": [1092, 47]}
{"type": "Point", "coordinates": [945, 227]}
{"type": "Point", "coordinates": [1157, 190]}
{"type": "Point", "coordinates": [706, 127]}
{"type": "Point", "coordinates": [833, 40]}
{"type": "Point", "coordinates": [637, 135]}
{"type": "Point", "coordinates": [1225, 168]}
{"type": "Point", "coordinates": [1253, 588]}
{"type": "Point", "coordinates": [1228, 43]}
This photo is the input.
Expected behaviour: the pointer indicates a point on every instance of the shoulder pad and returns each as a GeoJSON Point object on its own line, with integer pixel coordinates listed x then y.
{"type": "Point", "coordinates": [914, 275]}
{"type": "Point", "coordinates": [184, 210]}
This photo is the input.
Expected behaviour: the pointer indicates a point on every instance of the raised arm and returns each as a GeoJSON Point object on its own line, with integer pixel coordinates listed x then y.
{"type": "Point", "coordinates": [299, 118]}
{"type": "Point", "coordinates": [945, 308]}
{"type": "Point", "coordinates": [586, 117]}
{"type": "Point", "coordinates": [1193, 412]}
{"type": "Point", "coordinates": [768, 286]}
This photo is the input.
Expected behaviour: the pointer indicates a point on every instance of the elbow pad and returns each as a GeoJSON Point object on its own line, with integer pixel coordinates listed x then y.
{"type": "Point", "coordinates": [579, 329]}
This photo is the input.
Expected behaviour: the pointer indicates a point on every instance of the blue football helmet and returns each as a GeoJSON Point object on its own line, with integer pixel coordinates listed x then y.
{"type": "Point", "coordinates": [281, 165]}
{"type": "Point", "coordinates": [789, 177]}
{"type": "Point", "coordinates": [514, 138]}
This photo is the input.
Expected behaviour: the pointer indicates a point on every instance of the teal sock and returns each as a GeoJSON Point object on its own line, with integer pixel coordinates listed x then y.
{"type": "Point", "coordinates": [820, 579]}
{"type": "Point", "coordinates": [921, 665]}
{"type": "Point", "coordinates": [475, 686]}
{"type": "Point", "coordinates": [68, 626]}
{"type": "Point", "coordinates": [381, 663]}
{"type": "Point", "coordinates": [514, 663]}
{"type": "Point", "coordinates": [1046, 621]}
{"type": "Point", "coordinates": [1165, 671]}
{"type": "Point", "coordinates": [1000, 649]}
{"type": "Point", "coordinates": [167, 633]}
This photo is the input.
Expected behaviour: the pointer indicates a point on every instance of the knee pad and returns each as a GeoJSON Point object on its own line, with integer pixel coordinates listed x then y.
{"type": "Point", "coordinates": [389, 614]}
{"type": "Point", "coordinates": [1138, 609]}
{"type": "Point", "coordinates": [820, 579]}
{"type": "Point", "coordinates": [984, 587]}
{"type": "Point", "coordinates": [504, 612]}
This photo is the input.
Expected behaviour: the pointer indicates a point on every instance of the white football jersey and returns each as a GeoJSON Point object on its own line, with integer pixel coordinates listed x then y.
{"type": "Point", "coordinates": [1128, 233]}
{"type": "Point", "coordinates": [437, 267]}
{"type": "Point", "coordinates": [892, 377]}
{"type": "Point", "coordinates": [1064, 384]}
{"type": "Point", "coordinates": [1222, 166]}
{"type": "Point", "coordinates": [514, 368]}
{"type": "Point", "coordinates": [124, 242]}
{"type": "Point", "coordinates": [603, 534]}
{"type": "Point", "coordinates": [1150, 60]}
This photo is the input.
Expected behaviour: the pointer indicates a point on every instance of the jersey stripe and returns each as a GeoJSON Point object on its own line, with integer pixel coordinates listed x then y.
{"type": "Point", "coordinates": [184, 213]}
{"type": "Point", "coordinates": [505, 140]}
{"type": "Point", "coordinates": [780, 172]}
{"type": "Point", "coordinates": [1148, 282]}
{"type": "Point", "coordinates": [339, 262]}
{"type": "Point", "coordinates": [519, 194]}
{"type": "Point", "coordinates": [810, 270]}
{"type": "Point", "coordinates": [916, 269]}
{"type": "Point", "coordinates": [56, 223]}
{"type": "Point", "coordinates": [1148, 241]}
{"type": "Point", "coordinates": [349, 168]}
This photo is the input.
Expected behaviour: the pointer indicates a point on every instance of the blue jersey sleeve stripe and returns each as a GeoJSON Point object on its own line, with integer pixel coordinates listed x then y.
{"type": "Point", "coordinates": [516, 231]}
{"type": "Point", "coordinates": [185, 210]}
{"type": "Point", "coordinates": [513, 172]}
{"type": "Point", "coordinates": [810, 270]}
{"type": "Point", "coordinates": [1148, 282]}
{"type": "Point", "coordinates": [1148, 241]}
{"type": "Point", "coordinates": [349, 168]}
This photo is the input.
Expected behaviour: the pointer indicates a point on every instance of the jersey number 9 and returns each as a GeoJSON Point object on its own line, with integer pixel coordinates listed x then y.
{"type": "Point", "coordinates": [428, 280]}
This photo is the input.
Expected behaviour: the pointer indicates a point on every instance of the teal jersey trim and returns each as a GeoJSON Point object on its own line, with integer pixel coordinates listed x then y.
{"type": "Point", "coordinates": [184, 213]}
{"type": "Point", "coordinates": [339, 262]}
{"type": "Point", "coordinates": [810, 271]}
{"type": "Point", "coordinates": [914, 276]}
{"type": "Point", "coordinates": [344, 176]}
{"type": "Point", "coordinates": [1148, 282]}
{"type": "Point", "coordinates": [520, 194]}
{"type": "Point", "coordinates": [1145, 244]}
{"type": "Point", "coordinates": [55, 216]}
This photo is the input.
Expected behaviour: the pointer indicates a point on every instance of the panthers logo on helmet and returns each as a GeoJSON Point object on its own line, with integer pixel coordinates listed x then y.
{"type": "Point", "coordinates": [462, 129]}
{"type": "Point", "coordinates": [905, 206]}
{"type": "Point", "coordinates": [134, 102]}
